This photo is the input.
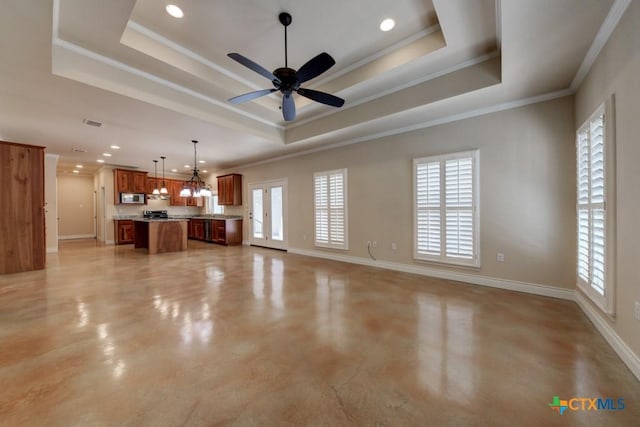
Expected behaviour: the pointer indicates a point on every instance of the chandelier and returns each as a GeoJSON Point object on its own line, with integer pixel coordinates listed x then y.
{"type": "Point", "coordinates": [195, 186]}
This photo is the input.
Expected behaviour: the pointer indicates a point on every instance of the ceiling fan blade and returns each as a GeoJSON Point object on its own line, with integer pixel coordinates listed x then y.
{"type": "Point", "coordinates": [314, 67]}
{"type": "Point", "coordinates": [252, 66]}
{"type": "Point", "coordinates": [322, 97]}
{"type": "Point", "coordinates": [251, 95]}
{"type": "Point", "coordinates": [288, 107]}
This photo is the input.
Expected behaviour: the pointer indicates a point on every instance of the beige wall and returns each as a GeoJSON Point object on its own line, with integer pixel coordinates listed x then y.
{"type": "Point", "coordinates": [617, 71]}
{"type": "Point", "coordinates": [51, 202]}
{"type": "Point", "coordinates": [75, 206]}
{"type": "Point", "coordinates": [527, 190]}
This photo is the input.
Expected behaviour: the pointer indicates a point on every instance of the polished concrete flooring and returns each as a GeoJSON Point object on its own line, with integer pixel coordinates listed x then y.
{"type": "Point", "coordinates": [248, 336]}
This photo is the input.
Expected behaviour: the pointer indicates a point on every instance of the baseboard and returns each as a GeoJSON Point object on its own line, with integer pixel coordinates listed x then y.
{"type": "Point", "coordinates": [52, 250]}
{"type": "Point", "coordinates": [77, 236]}
{"type": "Point", "coordinates": [529, 288]}
{"type": "Point", "coordinates": [109, 242]}
{"type": "Point", "coordinates": [626, 354]}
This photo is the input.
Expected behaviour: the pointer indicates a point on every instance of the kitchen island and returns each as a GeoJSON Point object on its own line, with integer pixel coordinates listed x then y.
{"type": "Point", "coordinates": [161, 235]}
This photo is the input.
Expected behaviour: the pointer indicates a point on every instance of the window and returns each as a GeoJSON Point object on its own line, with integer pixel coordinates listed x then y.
{"type": "Point", "coordinates": [330, 195]}
{"type": "Point", "coordinates": [212, 206]}
{"type": "Point", "coordinates": [591, 210]}
{"type": "Point", "coordinates": [446, 208]}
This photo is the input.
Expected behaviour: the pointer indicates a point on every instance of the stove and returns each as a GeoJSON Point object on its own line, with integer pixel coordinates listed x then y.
{"type": "Point", "coordinates": [155, 214]}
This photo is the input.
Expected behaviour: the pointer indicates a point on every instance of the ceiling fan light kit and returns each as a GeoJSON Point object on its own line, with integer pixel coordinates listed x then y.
{"type": "Point", "coordinates": [287, 80]}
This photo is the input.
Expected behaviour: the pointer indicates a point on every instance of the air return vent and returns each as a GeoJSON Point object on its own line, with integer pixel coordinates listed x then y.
{"type": "Point", "coordinates": [89, 122]}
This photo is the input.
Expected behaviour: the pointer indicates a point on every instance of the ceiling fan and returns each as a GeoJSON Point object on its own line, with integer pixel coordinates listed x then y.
{"type": "Point", "coordinates": [287, 80]}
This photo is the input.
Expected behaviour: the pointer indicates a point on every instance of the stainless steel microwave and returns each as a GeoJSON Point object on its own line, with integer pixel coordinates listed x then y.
{"type": "Point", "coordinates": [132, 198]}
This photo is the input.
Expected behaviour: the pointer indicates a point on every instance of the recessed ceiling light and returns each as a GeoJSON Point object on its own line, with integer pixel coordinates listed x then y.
{"type": "Point", "coordinates": [187, 166]}
{"type": "Point", "coordinates": [174, 11]}
{"type": "Point", "coordinates": [106, 154]}
{"type": "Point", "coordinates": [100, 161]}
{"type": "Point", "coordinates": [174, 170]}
{"type": "Point", "coordinates": [79, 166]}
{"type": "Point", "coordinates": [115, 147]}
{"type": "Point", "coordinates": [76, 171]}
{"type": "Point", "coordinates": [205, 171]}
{"type": "Point", "coordinates": [387, 24]}
{"type": "Point", "coordinates": [202, 161]}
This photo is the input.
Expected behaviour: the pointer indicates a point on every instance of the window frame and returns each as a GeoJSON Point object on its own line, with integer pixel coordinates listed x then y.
{"type": "Point", "coordinates": [345, 245]}
{"type": "Point", "coordinates": [442, 258]}
{"type": "Point", "coordinates": [605, 302]}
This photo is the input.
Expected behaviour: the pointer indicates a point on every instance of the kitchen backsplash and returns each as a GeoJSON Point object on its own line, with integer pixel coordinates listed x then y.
{"type": "Point", "coordinates": [154, 205]}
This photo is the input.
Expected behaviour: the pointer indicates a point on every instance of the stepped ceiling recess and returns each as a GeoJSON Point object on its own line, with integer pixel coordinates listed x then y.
{"type": "Point", "coordinates": [155, 82]}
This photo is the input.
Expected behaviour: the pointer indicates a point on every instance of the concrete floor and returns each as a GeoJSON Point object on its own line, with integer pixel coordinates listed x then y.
{"type": "Point", "coordinates": [248, 336]}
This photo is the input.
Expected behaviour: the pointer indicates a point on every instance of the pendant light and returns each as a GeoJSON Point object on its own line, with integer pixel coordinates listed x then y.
{"type": "Point", "coordinates": [155, 191]}
{"type": "Point", "coordinates": [163, 188]}
{"type": "Point", "coordinates": [195, 186]}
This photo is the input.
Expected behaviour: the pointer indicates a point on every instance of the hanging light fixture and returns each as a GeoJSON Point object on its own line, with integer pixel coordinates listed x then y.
{"type": "Point", "coordinates": [163, 188]}
{"type": "Point", "coordinates": [155, 194]}
{"type": "Point", "coordinates": [195, 186]}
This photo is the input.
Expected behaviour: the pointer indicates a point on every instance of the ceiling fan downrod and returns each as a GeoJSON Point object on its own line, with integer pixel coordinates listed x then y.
{"type": "Point", "coordinates": [285, 19]}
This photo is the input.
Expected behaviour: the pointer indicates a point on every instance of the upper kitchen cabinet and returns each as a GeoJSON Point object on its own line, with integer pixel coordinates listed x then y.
{"type": "Point", "coordinates": [128, 181]}
{"type": "Point", "coordinates": [22, 228]}
{"type": "Point", "coordinates": [152, 184]}
{"type": "Point", "coordinates": [174, 187]}
{"type": "Point", "coordinates": [230, 189]}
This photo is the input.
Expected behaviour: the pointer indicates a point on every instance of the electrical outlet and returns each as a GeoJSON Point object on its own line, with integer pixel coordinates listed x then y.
{"type": "Point", "coordinates": [394, 246]}
{"type": "Point", "coordinates": [500, 257]}
{"type": "Point", "coordinates": [375, 244]}
{"type": "Point", "coordinates": [636, 310]}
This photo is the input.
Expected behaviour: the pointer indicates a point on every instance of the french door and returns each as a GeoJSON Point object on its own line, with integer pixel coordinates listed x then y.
{"type": "Point", "coordinates": [268, 214]}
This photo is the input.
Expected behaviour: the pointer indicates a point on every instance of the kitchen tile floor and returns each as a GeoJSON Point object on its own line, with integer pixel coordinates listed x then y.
{"type": "Point", "coordinates": [248, 336]}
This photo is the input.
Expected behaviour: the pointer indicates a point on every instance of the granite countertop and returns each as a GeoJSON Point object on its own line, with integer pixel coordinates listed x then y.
{"type": "Point", "coordinates": [161, 219]}
{"type": "Point", "coordinates": [180, 217]}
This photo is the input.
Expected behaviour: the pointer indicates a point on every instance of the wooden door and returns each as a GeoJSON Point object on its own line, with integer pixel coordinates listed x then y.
{"type": "Point", "coordinates": [22, 226]}
{"type": "Point", "coordinates": [123, 181]}
{"type": "Point", "coordinates": [174, 188]}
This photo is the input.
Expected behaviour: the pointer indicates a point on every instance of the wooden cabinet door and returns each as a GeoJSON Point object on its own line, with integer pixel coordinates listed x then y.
{"type": "Point", "coordinates": [230, 189]}
{"type": "Point", "coordinates": [152, 184]}
{"type": "Point", "coordinates": [123, 181]}
{"type": "Point", "coordinates": [219, 231]}
{"type": "Point", "coordinates": [174, 187]}
{"type": "Point", "coordinates": [124, 231]}
{"type": "Point", "coordinates": [139, 184]}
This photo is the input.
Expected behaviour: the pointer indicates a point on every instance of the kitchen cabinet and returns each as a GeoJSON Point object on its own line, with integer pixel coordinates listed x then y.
{"type": "Point", "coordinates": [128, 181]}
{"type": "Point", "coordinates": [124, 231]}
{"type": "Point", "coordinates": [152, 184]}
{"type": "Point", "coordinates": [196, 229]}
{"type": "Point", "coordinates": [22, 208]}
{"type": "Point", "coordinates": [174, 186]}
{"type": "Point", "coordinates": [222, 231]}
{"type": "Point", "coordinates": [230, 189]}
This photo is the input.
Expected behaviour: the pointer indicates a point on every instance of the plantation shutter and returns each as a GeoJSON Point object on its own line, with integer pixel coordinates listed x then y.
{"type": "Point", "coordinates": [445, 208]}
{"type": "Point", "coordinates": [591, 203]}
{"type": "Point", "coordinates": [428, 208]}
{"type": "Point", "coordinates": [330, 209]}
{"type": "Point", "coordinates": [459, 208]}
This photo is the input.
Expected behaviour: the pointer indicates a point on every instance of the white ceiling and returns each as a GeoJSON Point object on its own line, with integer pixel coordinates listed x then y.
{"type": "Point", "coordinates": [156, 82]}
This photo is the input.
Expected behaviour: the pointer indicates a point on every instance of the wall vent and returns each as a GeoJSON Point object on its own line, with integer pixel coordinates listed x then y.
{"type": "Point", "coordinates": [89, 122]}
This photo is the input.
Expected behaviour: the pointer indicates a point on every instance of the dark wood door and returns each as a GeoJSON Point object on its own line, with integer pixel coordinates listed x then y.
{"type": "Point", "coordinates": [139, 184]}
{"type": "Point", "coordinates": [22, 226]}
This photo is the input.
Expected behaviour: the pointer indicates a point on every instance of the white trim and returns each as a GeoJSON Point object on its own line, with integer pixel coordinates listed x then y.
{"type": "Point", "coordinates": [52, 250]}
{"type": "Point", "coordinates": [499, 24]}
{"type": "Point", "coordinates": [606, 29]}
{"type": "Point", "coordinates": [394, 89]}
{"type": "Point", "coordinates": [110, 242]}
{"type": "Point", "coordinates": [529, 288]}
{"type": "Point", "coordinates": [424, 125]}
{"type": "Point", "coordinates": [377, 55]}
{"type": "Point", "coordinates": [134, 26]}
{"type": "Point", "coordinates": [619, 346]}
{"type": "Point", "coordinates": [77, 236]}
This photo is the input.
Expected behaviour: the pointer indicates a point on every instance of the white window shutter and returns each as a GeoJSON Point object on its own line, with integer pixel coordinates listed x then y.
{"type": "Point", "coordinates": [330, 209]}
{"type": "Point", "coordinates": [446, 208]}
